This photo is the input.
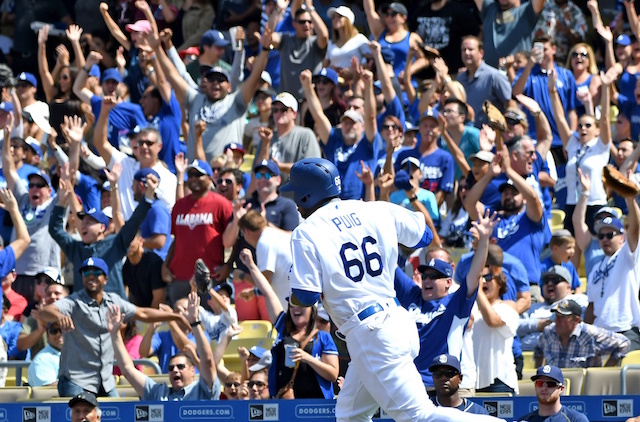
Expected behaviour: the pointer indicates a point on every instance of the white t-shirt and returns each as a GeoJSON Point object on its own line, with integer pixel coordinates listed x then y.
{"type": "Point", "coordinates": [273, 253]}
{"type": "Point", "coordinates": [251, 130]}
{"type": "Point", "coordinates": [166, 191]}
{"type": "Point", "coordinates": [615, 296]}
{"type": "Point", "coordinates": [591, 157]}
{"type": "Point", "coordinates": [340, 57]}
{"type": "Point", "coordinates": [492, 347]}
{"type": "Point", "coordinates": [348, 251]}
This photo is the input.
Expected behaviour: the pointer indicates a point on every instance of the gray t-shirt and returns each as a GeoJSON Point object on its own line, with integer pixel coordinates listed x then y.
{"type": "Point", "coordinates": [506, 32]}
{"type": "Point", "coordinates": [197, 390]}
{"type": "Point", "coordinates": [87, 353]}
{"type": "Point", "coordinates": [225, 121]}
{"type": "Point", "coordinates": [296, 55]}
{"type": "Point", "coordinates": [42, 251]}
{"type": "Point", "coordinates": [299, 143]}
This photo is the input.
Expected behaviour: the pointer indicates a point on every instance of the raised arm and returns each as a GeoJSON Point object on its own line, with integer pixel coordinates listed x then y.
{"type": "Point", "coordinates": [136, 378]}
{"type": "Point", "coordinates": [48, 84]}
{"type": "Point", "coordinates": [558, 109]}
{"type": "Point", "coordinates": [543, 130]}
{"type": "Point", "coordinates": [370, 112]}
{"type": "Point", "coordinates": [607, 80]}
{"type": "Point", "coordinates": [376, 25]}
{"type": "Point", "coordinates": [633, 220]}
{"type": "Point", "coordinates": [484, 226]}
{"type": "Point", "coordinates": [537, 6]}
{"type": "Point", "coordinates": [113, 176]}
{"type": "Point", "coordinates": [383, 75]}
{"type": "Point", "coordinates": [79, 85]}
{"type": "Point", "coordinates": [8, 166]}
{"type": "Point", "coordinates": [207, 366]}
{"type": "Point", "coordinates": [249, 87]}
{"type": "Point", "coordinates": [471, 202]}
{"type": "Point", "coordinates": [105, 149]}
{"type": "Point", "coordinates": [180, 86]}
{"type": "Point", "coordinates": [274, 307]}
{"type": "Point", "coordinates": [74, 32]}
{"type": "Point", "coordinates": [521, 82]}
{"type": "Point", "coordinates": [454, 149]}
{"type": "Point", "coordinates": [22, 238]}
{"type": "Point", "coordinates": [113, 27]}
{"type": "Point", "coordinates": [322, 123]}
{"type": "Point", "coordinates": [534, 206]}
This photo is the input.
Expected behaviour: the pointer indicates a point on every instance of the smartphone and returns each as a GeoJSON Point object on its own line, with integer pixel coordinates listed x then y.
{"type": "Point", "coordinates": [540, 47]}
{"type": "Point", "coordinates": [288, 362]}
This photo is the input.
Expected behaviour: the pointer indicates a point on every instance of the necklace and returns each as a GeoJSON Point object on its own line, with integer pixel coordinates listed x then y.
{"type": "Point", "coordinates": [602, 274]}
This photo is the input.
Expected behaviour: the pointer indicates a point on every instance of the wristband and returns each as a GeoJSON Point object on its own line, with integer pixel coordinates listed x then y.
{"type": "Point", "coordinates": [194, 324]}
{"type": "Point", "coordinates": [85, 69]}
{"type": "Point", "coordinates": [413, 198]}
{"type": "Point", "coordinates": [113, 188]}
{"type": "Point", "coordinates": [585, 194]}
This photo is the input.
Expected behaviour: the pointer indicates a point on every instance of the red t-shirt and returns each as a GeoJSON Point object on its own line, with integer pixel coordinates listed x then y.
{"type": "Point", "coordinates": [197, 226]}
{"type": "Point", "coordinates": [18, 304]}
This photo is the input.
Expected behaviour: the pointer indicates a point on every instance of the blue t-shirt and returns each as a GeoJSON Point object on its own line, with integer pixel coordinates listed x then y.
{"type": "Point", "coordinates": [524, 239]}
{"type": "Point", "coordinates": [89, 192]}
{"type": "Point", "coordinates": [347, 160]}
{"type": "Point", "coordinates": [575, 278]}
{"type": "Point", "coordinates": [437, 169]}
{"type": "Point", "coordinates": [540, 164]}
{"type": "Point", "coordinates": [469, 145]}
{"type": "Point", "coordinates": [167, 122]}
{"type": "Point", "coordinates": [630, 108]}
{"type": "Point", "coordinates": [537, 88]}
{"type": "Point", "coordinates": [9, 332]}
{"type": "Point", "coordinates": [163, 347]}
{"type": "Point", "coordinates": [122, 118]}
{"type": "Point", "coordinates": [441, 322]}
{"type": "Point", "coordinates": [158, 221]}
{"type": "Point", "coordinates": [393, 109]}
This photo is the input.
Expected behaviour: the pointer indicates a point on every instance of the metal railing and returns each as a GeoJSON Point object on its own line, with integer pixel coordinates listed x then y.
{"type": "Point", "coordinates": [20, 364]}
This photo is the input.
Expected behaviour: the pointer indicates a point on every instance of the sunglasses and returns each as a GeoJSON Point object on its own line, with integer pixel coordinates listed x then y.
{"type": "Point", "coordinates": [609, 236]}
{"type": "Point", "coordinates": [37, 185]}
{"type": "Point", "coordinates": [390, 127]}
{"type": "Point", "coordinates": [447, 374]}
{"type": "Point", "coordinates": [65, 77]}
{"type": "Point", "coordinates": [266, 176]}
{"type": "Point", "coordinates": [554, 280]}
{"type": "Point", "coordinates": [217, 78]}
{"type": "Point", "coordinates": [227, 181]}
{"type": "Point", "coordinates": [488, 277]}
{"type": "Point", "coordinates": [432, 276]}
{"type": "Point", "coordinates": [89, 273]}
{"type": "Point", "coordinates": [576, 54]}
{"type": "Point", "coordinates": [180, 366]}
{"type": "Point", "coordinates": [303, 21]}
{"type": "Point", "coordinates": [232, 384]}
{"type": "Point", "coordinates": [275, 110]}
{"type": "Point", "coordinates": [548, 384]}
{"type": "Point", "coordinates": [512, 122]}
{"type": "Point", "coordinates": [258, 384]}
{"type": "Point", "coordinates": [146, 142]}
{"type": "Point", "coordinates": [392, 14]}
{"type": "Point", "coordinates": [194, 174]}
{"type": "Point", "coordinates": [54, 331]}
{"type": "Point", "coordinates": [585, 125]}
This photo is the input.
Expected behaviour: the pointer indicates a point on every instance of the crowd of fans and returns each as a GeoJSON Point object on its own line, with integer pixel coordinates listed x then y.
{"type": "Point", "coordinates": [144, 143]}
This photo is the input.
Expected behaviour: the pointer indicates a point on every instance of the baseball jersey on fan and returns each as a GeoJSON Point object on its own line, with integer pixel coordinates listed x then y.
{"type": "Point", "coordinates": [441, 322]}
{"type": "Point", "coordinates": [361, 273]}
{"type": "Point", "coordinates": [198, 226]}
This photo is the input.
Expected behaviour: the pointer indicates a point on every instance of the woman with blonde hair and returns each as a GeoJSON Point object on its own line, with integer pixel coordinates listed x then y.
{"type": "Point", "coordinates": [582, 62]}
{"type": "Point", "coordinates": [346, 41]}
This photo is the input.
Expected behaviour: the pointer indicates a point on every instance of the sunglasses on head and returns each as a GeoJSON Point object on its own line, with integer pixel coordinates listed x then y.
{"type": "Point", "coordinates": [180, 366]}
{"type": "Point", "coordinates": [548, 384]}
{"type": "Point", "coordinates": [94, 272]}
{"type": "Point", "coordinates": [609, 236]}
{"type": "Point", "coordinates": [266, 176]}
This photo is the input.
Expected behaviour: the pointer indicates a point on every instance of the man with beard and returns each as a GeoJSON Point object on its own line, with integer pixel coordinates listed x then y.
{"type": "Point", "coordinates": [549, 382]}
{"type": "Point", "coordinates": [521, 230]}
{"type": "Point", "coordinates": [446, 380]}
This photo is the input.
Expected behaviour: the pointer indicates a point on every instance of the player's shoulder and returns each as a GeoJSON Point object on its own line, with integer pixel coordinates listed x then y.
{"type": "Point", "coordinates": [573, 415]}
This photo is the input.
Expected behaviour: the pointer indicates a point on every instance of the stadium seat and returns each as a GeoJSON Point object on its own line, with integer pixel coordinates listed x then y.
{"type": "Point", "coordinates": [13, 394]}
{"type": "Point", "coordinates": [44, 393]}
{"type": "Point", "coordinates": [633, 357]}
{"type": "Point", "coordinates": [126, 391]}
{"type": "Point", "coordinates": [256, 329]}
{"type": "Point", "coordinates": [528, 362]}
{"type": "Point", "coordinates": [456, 253]}
{"type": "Point", "coordinates": [576, 377]}
{"type": "Point", "coordinates": [247, 164]}
{"type": "Point", "coordinates": [602, 381]}
{"type": "Point", "coordinates": [630, 379]}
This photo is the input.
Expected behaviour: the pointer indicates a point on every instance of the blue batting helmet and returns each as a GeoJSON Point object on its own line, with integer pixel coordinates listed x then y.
{"type": "Point", "coordinates": [312, 180]}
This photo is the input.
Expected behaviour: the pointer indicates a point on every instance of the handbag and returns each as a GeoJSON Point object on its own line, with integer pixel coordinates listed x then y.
{"type": "Point", "coordinates": [286, 392]}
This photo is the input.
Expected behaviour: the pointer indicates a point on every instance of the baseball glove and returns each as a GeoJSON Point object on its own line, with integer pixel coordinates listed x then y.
{"type": "Point", "coordinates": [616, 181]}
{"type": "Point", "coordinates": [496, 118]}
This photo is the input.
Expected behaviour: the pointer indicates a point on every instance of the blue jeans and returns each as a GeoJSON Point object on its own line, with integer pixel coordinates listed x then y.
{"type": "Point", "coordinates": [66, 388]}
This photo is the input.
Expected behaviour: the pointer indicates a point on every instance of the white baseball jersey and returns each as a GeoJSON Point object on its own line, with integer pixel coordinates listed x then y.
{"type": "Point", "coordinates": [348, 251]}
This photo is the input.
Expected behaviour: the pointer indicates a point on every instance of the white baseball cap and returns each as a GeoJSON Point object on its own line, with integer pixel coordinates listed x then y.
{"type": "Point", "coordinates": [287, 100]}
{"type": "Point", "coordinates": [342, 11]}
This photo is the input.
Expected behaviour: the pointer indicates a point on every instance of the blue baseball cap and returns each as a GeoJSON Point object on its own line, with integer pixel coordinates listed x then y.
{"type": "Point", "coordinates": [269, 165]}
{"type": "Point", "coordinates": [550, 371]}
{"type": "Point", "coordinates": [111, 74]}
{"type": "Point", "coordinates": [214, 37]}
{"type": "Point", "coordinates": [141, 175]}
{"type": "Point", "coordinates": [438, 265]}
{"type": "Point", "coordinates": [610, 222]}
{"type": "Point", "coordinates": [257, 351]}
{"type": "Point", "coordinates": [96, 214]}
{"type": "Point", "coordinates": [430, 113]}
{"type": "Point", "coordinates": [226, 287]}
{"type": "Point", "coordinates": [327, 72]}
{"type": "Point", "coordinates": [35, 146]}
{"type": "Point", "coordinates": [623, 39]}
{"type": "Point", "coordinates": [95, 262]}
{"type": "Point", "coordinates": [445, 360]}
{"type": "Point", "coordinates": [95, 71]}
{"type": "Point", "coordinates": [6, 106]}
{"type": "Point", "coordinates": [234, 146]}
{"type": "Point", "coordinates": [202, 166]}
{"type": "Point", "coordinates": [28, 77]}
{"type": "Point", "coordinates": [42, 175]}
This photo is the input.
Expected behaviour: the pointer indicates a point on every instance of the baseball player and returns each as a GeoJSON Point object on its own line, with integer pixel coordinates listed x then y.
{"type": "Point", "coordinates": [356, 284]}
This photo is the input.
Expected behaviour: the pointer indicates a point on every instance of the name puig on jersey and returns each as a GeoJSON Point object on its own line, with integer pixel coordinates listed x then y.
{"type": "Point", "coordinates": [346, 221]}
{"type": "Point", "coordinates": [193, 220]}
